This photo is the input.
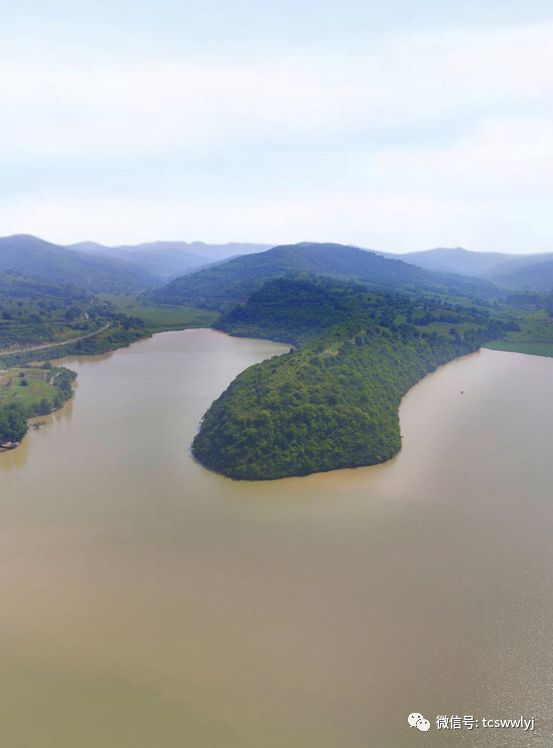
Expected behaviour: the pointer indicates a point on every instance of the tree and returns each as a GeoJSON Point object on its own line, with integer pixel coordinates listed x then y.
{"type": "Point", "coordinates": [13, 424]}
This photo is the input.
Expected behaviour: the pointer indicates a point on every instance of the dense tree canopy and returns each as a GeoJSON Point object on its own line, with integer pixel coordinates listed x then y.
{"type": "Point", "coordinates": [334, 401]}
{"type": "Point", "coordinates": [229, 282]}
{"type": "Point", "coordinates": [13, 423]}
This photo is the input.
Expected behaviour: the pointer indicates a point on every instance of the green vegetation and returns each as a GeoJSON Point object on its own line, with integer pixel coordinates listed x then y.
{"type": "Point", "coordinates": [334, 401]}
{"type": "Point", "coordinates": [227, 283]}
{"type": "Point", "coordinates": [364, 329]}
{"type": "Point", "coordinates": [40, 321]}
{"type": "Point", "coordinates": [160, 318]}
{"type": "Point", "coordinates": [535, 333]}
{"type": "Point", "coordinates": [32, 312]}
{"type": "Point", "coordinates": [13, 425]}
{"type": "Point", "coordinates": [30, 391]}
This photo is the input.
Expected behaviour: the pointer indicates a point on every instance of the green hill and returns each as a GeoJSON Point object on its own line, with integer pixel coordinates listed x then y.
{"type": "Point", "coordinates": [51, 263]}
{"type": "Point", "coordinates": [35, 313]}
{"type": "Point", "coordinates": [332, 403]}
{"type": "Point", "coordinates": [32, 311]}
{"type": "Point", "coordinates": [232, 281]}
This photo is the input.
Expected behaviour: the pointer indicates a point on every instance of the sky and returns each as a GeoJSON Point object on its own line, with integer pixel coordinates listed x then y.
{"type": "Point", "coordinates": [394, 125]}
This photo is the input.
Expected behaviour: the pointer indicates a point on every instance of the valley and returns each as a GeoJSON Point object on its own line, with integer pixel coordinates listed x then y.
{"type": "Point", "coordinates": [363, 329]}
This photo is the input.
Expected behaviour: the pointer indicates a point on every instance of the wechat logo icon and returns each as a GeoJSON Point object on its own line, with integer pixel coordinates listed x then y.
{"type": "Point", "coordinates": [417, 720]}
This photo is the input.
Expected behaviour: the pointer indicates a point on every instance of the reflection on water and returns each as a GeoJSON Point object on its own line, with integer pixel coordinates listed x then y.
{"type": "Point", "coordinates": [149, 602]}
{"type": "Point", "coordinates": [17, 458]}
{"type": "Point", "coordinates": [14, 458]}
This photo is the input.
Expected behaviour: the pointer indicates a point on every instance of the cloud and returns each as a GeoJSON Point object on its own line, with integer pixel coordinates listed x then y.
{"type": "Point", "coordinates": [135, 106]}
{"type": "Point", "coordinates": [434, 138]}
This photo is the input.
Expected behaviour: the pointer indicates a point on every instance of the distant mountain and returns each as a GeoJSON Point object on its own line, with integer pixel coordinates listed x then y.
{"type": "Point", "coordinates": [534, 273]}
{"type": "Point", "coordinates": [51, 263]}
{"type": "Point", "coordinates": [161, 259]}
{"type": "Point", "coordinates": [454, 260]}
{"type": "Point", "coordinates": [232, 281]}
{"type": "Point", "coordinates": [211, 252]}
{"type": "Point", "coordinates": [166, 259]}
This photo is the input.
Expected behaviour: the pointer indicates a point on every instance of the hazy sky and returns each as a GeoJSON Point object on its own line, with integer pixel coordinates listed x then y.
{"type": "Point", "coordinates": [393, 124]}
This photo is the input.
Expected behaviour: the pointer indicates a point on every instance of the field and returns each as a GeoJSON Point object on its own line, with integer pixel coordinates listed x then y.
{"type": "Point", "coordinates": [535, 336]}
{"type": "Point", "coordinates": [36, 389]}
{"type": "Point", "coordinates": [159, 318]}
{"type": "Point", "coordinates": [25, 385]}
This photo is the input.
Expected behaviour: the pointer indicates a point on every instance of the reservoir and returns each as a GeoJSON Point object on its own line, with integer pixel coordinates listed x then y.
{"type": "Point", "coordinates": [149, 603]}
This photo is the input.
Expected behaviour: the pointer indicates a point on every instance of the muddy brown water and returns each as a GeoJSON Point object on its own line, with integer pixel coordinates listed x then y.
{"type": "Point", "coordinates": [149, 603]}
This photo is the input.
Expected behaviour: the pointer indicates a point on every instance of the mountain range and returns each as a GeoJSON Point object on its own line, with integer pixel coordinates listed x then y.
{"type": "Point", "coordinates": [232, 281]}
{"type": "Point", "coordinates": [36, 258]}
{"type": "Point", "coordinates": [165, 259]}
{"type": "Point", "coordinates": [212, 275]}
{"type": "Point", "coordinates": [453, 260]}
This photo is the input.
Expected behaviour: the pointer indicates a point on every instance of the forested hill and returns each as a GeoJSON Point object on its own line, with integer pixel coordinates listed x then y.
{"type": "Point", "coordinates": [50, 263]}
{"type": "Point", "coordinates": [229, 282]}
{"type": "Point", "coordinates": [34, 313]}
{"type": "Point", "coordinates": [332, 403]}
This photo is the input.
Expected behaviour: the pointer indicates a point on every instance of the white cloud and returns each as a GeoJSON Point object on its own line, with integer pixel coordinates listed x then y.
{"type": "Point", "coordinates": [141, 106]}
{"type": "Point", "coordinates": [472, 113]}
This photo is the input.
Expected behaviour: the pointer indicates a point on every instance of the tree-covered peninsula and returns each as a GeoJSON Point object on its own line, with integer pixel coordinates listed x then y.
{"type": "Point", "coordinates": [332, 401]}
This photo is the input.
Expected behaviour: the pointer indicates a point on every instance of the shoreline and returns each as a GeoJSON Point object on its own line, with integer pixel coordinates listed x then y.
{"type": "Point", "coordinates": [64, 359]}
{"type": "Point", "coordinates": [30, 393]}
{"type": "Point", "coordinates": [352, 466]}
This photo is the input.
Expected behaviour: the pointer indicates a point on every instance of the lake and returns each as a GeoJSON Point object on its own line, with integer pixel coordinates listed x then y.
{"type": "Point", "coordinates": [150, 603]}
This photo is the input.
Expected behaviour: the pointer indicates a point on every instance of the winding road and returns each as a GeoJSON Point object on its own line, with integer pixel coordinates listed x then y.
{"type": "Point", "coordinates": [45, 346]}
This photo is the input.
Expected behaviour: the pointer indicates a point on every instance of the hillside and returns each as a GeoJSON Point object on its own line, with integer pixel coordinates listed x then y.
{"type": "Point", "coordinates": [51, 263]}
{"type": "Point", "coordinates": [165, 259]}
{"type": "Point", "coordinates": [32, 311]}
{"type": "Point", "coordinates": [35, 314]}
{"type": "Point", "coordinates": [454, 260]}
{"type": "Point", "coordinates": [332, 403]}
{"type": "Point", "coordinates": [231, 282]}
{"type": "Point", "coordinates": [534, 273]}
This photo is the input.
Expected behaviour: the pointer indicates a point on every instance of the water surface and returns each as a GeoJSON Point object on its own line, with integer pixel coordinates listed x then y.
{"type": "Point", "coordinates": [147, 602]}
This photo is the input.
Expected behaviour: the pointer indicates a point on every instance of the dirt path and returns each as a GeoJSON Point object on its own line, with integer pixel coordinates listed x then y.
{"type": "Point", "coordinates": [45, 346]}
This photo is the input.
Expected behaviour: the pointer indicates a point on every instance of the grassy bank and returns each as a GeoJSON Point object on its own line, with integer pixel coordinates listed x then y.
{"type": "Point", "coordinates": [30, 391]}
{"type": "Point", "coordinates": [535, 336]}
{"type": "Point", "coordinates": [161, 318]}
